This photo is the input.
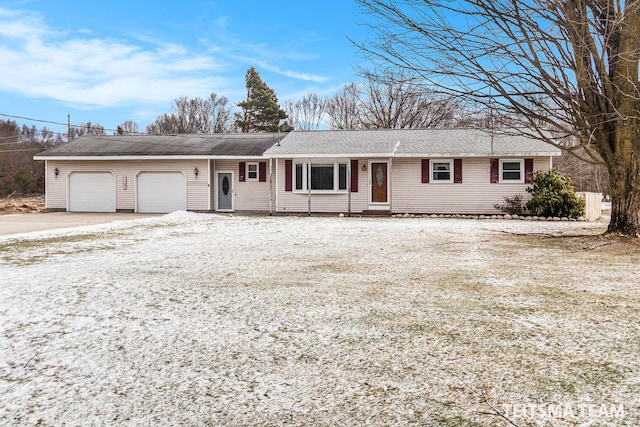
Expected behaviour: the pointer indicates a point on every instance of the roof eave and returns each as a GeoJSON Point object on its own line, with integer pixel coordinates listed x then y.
{"type": "Point", "coordinates": [520, 154]}
{"type": "Point", "coordinates": [151, 157]}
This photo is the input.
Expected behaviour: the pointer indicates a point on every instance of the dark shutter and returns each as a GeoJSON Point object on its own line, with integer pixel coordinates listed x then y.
{"type": "Point", "coordinates": [243, 171]}
{"type": "Point", "coordinates": [495, 170]}
{"type": "Point", "coordinates": [354, 176]}
{"type": "Point", "coordinates": [457, 171]}
{"type": "Point", "coordinates": [262, 169]}
{"type": "Point", "coordinates": [528, 170]}
{"type": "Point", "coordinates": [425, 171]}
{"type": "Point", "coordinates": [288, 175]}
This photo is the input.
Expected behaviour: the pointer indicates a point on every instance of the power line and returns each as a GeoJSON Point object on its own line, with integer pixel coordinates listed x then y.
{"type": "Point", "coordinates": [33, 120]}
{"type": "Point", "coordinates": [52, 122]}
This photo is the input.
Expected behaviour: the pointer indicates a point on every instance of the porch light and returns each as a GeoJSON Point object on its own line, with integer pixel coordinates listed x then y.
{"type": "Point", "coordinates": [196, 172]}
{"type": "Point", "coordinates": [56, 172]}
{"type": "Point", "coordinates": [364, 167]}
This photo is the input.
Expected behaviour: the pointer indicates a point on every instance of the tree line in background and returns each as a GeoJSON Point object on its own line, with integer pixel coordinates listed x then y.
{"type": "Point", "coordinates": [19, 173]}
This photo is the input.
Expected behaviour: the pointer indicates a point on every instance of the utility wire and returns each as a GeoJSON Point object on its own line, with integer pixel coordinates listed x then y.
{"type": "Point", "coordinates": [49, 121]}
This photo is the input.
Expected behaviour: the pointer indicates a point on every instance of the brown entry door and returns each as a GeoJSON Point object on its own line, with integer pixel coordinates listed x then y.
{"type": "Point", "coordinates": [379, 182]}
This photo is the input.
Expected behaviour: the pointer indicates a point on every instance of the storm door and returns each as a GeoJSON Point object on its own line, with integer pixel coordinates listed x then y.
{"type": "Point", "coordinates": [225, 191]}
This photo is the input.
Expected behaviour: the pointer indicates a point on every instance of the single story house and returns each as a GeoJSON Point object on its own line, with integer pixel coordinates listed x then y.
{"type": "Point", "coordinates": [356, 171]}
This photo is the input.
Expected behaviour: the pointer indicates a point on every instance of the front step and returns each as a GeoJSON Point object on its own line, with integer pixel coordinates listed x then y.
{"type": "Point", "coordinates": [376, 212]}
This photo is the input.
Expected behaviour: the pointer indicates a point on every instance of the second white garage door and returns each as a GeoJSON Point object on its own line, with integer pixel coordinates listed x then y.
{"type": "Point", "coordinates": [161, 192]}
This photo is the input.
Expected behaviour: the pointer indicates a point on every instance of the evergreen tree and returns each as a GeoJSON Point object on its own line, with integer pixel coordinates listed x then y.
{"type": "Point", "coordinates": [260, 111]}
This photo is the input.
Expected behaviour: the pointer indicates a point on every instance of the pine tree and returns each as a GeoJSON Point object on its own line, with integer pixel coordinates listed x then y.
{"type": "Point", "coordinates": [260, 111]}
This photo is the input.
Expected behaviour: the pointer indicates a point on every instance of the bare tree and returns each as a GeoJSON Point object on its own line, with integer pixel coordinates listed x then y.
{"type": "Point", "coordinates": [344, 109]}
{"type": "Point", "coordinates": [307, 113]}
{"type": "Point", "coordinates": [188, 116]}
{"type": "Point", "coordinates": [566, 66]}
{"type": "Point", "coordinates": [87, 128]}
{"type": "Point", "coordinates": [220, 111]}
{"type": "Point", "coordinates": [397, 100]}
{"type": "Point", "coordinates": [194, 116]}
{"type": "Point", "coordinates": [19, 173]}
{"type": "Point", "coordinates": [128, 128]}
{"type": "Point", "coordinates": [584, 176]}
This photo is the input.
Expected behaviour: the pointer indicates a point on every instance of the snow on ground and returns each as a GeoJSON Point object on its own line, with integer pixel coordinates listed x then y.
{"type": "Point", "coordinates": [197, 319]}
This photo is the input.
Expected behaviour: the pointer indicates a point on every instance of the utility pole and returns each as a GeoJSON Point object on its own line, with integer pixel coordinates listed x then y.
{"type": "Point", "coordinates": [68, 127]}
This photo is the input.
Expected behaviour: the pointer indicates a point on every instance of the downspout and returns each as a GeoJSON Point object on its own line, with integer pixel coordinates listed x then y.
{"type": "Point", "coordinates": [213, 188]}
{"type": "Point", "coordinates": [393, 154]}
{"type": "Point", "coordinates": [270, 186]}
{"type": "Point", "coordinates": [46, 184]}
{"type": "Point", "coordinates": [390, 185]}
{"type": "Point", "coordinates": [309, 187]}
{"type": "Point", "coordinates": [348, 187]}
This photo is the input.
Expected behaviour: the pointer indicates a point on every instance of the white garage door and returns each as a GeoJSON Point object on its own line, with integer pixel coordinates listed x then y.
{"type": "Point", "coordinates": [161, 192]}
{"type": "Point", "coordinates": [92, 192]}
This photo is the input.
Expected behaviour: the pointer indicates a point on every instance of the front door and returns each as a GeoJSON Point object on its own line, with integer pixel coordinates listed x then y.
{"type": "Point", "coordinates": [225, 191]}
{"type": "Point", "coordinates": [379, 193]}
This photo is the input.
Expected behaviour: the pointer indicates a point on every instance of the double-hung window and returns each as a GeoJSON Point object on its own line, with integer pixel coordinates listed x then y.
{"type": "Point", "coordinates": [512, 170]}
{"type": "Point", "coordinates": [252, 171]}
{"type": "Point", "coordinates": [321, 177]}
{"type": "Point", "coordinates": [441, 171]}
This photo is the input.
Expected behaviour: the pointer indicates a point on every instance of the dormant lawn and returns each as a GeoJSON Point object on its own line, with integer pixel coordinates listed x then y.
{"type": "Point", "coordinates": [195, 319]}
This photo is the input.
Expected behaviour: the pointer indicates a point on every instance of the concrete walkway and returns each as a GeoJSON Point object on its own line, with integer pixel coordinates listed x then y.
{"type": "Point", "coordinates": [28, 222]}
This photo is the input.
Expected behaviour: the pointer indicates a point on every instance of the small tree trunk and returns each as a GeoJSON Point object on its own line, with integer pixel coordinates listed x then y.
{"type": "Point", "coordinates": [624, 185]}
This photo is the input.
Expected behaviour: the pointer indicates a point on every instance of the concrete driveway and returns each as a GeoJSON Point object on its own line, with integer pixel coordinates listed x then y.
{"type": "Point", "coordinates": [26, 223]}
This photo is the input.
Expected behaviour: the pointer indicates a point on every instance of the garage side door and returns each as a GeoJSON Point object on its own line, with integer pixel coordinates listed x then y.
{"type": "Point", "coordinates": [161, 192]}
{"type": "Point", "coordinates": [92, 192]}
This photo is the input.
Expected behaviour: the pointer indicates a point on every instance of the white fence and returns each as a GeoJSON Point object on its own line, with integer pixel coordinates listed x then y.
{"type": "Point", "coordinates": [593, 209]}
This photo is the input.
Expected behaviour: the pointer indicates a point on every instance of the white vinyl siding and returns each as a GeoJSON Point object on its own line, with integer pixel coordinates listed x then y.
{"type": "Point", "coordinates": [250, 196]}
{"type": "Point", "coordinates": [474, 195]}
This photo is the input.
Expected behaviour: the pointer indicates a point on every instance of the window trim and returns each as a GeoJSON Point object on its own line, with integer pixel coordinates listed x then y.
{"type": "Point", "coordinates": [305, 174]}
{"type": "Point", "coordinates": [501, 171]}
{"type": "Point", "coordinates": [247, 176]}
{"type": "Point", "coordinates": [432, 171]}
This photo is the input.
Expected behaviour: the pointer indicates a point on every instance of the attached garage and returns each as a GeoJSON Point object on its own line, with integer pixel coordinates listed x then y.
{"type": "Point", "coordinates": [92, 192]}
{"type": "Point", "coordinates": [161, 192]}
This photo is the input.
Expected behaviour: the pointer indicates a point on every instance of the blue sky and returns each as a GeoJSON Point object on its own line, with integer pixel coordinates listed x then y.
{"type": "Point", "coordinates": [107, 62]}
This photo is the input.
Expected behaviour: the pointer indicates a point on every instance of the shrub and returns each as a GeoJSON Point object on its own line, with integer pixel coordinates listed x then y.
{"type": "Point", "coordinates": [553, 195]}
{"type": "Point", "coordinates": [511, 205]}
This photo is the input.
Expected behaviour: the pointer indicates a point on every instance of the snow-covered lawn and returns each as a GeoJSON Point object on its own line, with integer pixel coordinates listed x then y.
{"type": "Point", "coordinates": [196, 319]}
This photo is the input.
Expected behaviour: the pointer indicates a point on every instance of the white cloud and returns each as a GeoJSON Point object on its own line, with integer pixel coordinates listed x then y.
{"type": "Point", "coordinates": [96, 72]}
{"type": "Point", "coordinates": [287, 73]}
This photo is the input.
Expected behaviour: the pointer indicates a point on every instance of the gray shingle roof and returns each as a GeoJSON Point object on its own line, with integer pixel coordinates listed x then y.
{"type": "Point", "coordinates": [233, 145]}
{"type": "Point", "coordinates": [331, 143]}
{"type": "Point", "coordinates": [409, 143]}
